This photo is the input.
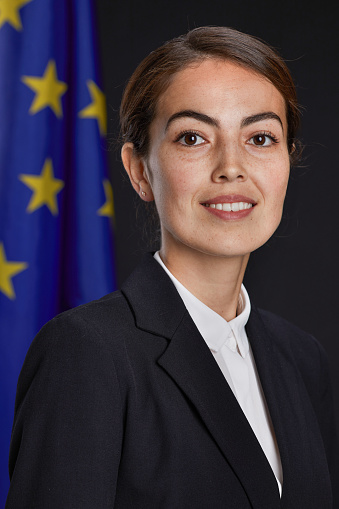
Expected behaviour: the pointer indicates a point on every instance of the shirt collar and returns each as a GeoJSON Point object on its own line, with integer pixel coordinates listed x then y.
{"type": "Point", "coordinates": [215, 330]}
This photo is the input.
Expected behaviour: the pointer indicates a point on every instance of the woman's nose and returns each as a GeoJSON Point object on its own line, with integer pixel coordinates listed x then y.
{"type": "Point", "coordinates": [229, 167]}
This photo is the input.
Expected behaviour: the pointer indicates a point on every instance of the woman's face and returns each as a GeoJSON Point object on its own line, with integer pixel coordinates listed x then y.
{"type": "Point", "coordinates": [218, 162]}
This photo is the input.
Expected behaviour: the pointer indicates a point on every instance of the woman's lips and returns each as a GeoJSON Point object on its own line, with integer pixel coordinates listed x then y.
{"type": "Point", "coordinates": [230, 206]}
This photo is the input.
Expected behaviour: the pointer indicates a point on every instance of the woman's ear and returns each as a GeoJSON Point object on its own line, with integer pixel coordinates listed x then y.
{"type": "Point", "coordinates": [136, 169]}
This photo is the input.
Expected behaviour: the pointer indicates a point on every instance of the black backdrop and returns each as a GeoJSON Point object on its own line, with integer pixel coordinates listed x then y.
{"type": "Point", "coordinates": [296, 273]}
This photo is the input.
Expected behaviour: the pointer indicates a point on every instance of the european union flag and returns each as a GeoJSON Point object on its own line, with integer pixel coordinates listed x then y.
{"type": "Point", "coordinates": [56, 202]}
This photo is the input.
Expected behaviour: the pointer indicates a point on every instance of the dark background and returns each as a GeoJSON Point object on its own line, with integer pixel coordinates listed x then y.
{"type": "Point", "coordinates": [296, 273]}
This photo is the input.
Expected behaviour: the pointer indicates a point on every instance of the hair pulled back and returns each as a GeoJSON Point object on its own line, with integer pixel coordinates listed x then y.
{"type": "Point", "coordinates": [154, 74]}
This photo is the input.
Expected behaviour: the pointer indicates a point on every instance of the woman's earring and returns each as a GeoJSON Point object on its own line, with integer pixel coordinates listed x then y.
{"type": "Point", "coordinates": [143, 193]}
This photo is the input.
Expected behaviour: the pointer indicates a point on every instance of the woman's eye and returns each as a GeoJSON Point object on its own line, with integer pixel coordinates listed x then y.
{"type": "Point", "coordinates": [191, 139]}
{"type": "Point", "coordinates": [263, 140]}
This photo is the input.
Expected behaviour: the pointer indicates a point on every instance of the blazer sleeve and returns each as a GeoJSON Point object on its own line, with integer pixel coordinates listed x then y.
{"type": "Point", "coordinates": [328, 425]}
{"type": "Point", "coordinates": [67, 432]}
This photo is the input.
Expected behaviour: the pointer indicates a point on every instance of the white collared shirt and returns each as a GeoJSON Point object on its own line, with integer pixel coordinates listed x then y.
{"type": "Point", "coordinates": [229, 345]}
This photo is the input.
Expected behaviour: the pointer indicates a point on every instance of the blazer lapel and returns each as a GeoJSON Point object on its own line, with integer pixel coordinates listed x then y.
{"type": "Point", "coordinates": [189, 362]}
{"type": "Point", "coordinates": [191, 365]}
{"type": "Point", "coordinates": [298, 436]}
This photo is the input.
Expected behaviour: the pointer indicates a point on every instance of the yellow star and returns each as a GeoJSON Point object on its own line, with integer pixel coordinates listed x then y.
{"type": "Point", "coordinates": [108, 207]}
{"type": "Point", "coordinates": [9, 12]}
{"type": "Point", "coordinates": [97, 108]}
{"type": "Point", "coordinates": [48, 90]}
{"type": "Point", "coordinates": [45, 188]}
{"type": "Point", "coordinates": [7, 271]}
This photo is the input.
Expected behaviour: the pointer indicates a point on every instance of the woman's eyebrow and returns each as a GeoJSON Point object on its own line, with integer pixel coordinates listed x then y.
{"type": "Point", "coordinates": [261, 116]}
{"type": "Point", "coordinates": [193, 114]}
{"type": "Point", "coordinates": [214, 122]}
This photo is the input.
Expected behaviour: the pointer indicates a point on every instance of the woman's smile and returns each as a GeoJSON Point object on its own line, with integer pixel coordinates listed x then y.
{"type": "Point", "coordinates": [231, 207]}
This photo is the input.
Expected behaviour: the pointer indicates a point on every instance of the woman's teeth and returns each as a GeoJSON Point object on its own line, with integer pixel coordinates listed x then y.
{"type": "Point", "coordinates": [230, 207]}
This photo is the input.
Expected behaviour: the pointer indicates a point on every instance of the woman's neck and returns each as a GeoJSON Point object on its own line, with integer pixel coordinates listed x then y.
{"type": "Point", "coordinates": [214, 280]}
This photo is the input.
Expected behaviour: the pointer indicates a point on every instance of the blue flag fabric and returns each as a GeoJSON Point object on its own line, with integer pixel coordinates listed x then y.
{"type": "Point", "coordinates": [56, 202]}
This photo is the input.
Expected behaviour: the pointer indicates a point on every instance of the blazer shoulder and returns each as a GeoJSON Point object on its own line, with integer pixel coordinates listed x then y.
{"type": "Point", "coordinates": [99, 317]}
{"type": "Point", "coordinates": [103, 308]}
{"type": "Point", "coordinates": [299, 346]}
{"type": "Point", "coordinates": [284, 330]}
{"type": "Point", "coordinates": [86, 331]}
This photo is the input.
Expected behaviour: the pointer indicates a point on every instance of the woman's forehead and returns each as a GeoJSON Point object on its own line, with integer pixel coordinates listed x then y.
{"type": "Point", "coordinates": [219, 86]}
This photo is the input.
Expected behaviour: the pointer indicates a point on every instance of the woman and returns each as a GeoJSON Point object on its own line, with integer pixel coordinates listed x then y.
{"type": "Point", "coordinates": [175, 392]}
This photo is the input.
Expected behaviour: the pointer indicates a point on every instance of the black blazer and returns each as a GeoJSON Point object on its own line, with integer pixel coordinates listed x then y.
{"type": "Point", "coordinates": [120, 404]}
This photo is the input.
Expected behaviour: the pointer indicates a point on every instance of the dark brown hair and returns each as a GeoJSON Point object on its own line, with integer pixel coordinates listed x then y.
{"type": "Point", "coordinates": [154, 74]}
